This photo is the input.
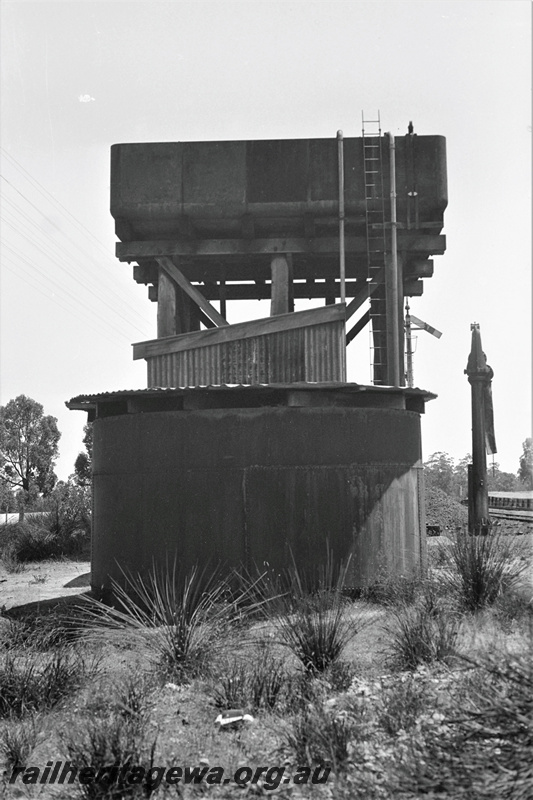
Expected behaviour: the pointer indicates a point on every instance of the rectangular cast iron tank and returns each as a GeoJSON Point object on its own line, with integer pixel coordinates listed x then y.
{"type": "Point", "coordinates": [304, 346]}
{"type": "Point", "coordinates": [272, 183]}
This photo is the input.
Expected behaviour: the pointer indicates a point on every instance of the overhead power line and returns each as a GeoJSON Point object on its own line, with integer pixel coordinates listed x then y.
{"type": "Point", "coordinates": [50, 295]}
{"type": "Point", "coordinates": [120, 300]}
{"type": "Point", "coordinates": [70, 219]}
{"type": "Point", "coordinates": [60, 262]}
{"type": "Point", "coordinates": [50, 196]}
{"type": "Point", "coordinates": [49, 283]}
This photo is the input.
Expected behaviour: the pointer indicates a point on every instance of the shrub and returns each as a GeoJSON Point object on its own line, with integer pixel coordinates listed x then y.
{"type": "Point", "coordinates": [482, 748]}
{"type": "Point", "coordinates": [130, 698]}
{"type": "Point", "coordinates": [231, 690]}
{"type": "Point", "coordinates": [339, 675]}
{"type": "Point", "coordinates": [69, 516]}
{"type": "Point", "coordinates": [24, 541]}
{"type": "Point", "coordinates": [35, 543]}
{"type": "Point", "coordinates": [402, 702]}
{"type": "Point", "coordinates": [484, 567]}
{"type": "Point", "coordinates": [317, 636]}
{"type": "Point", "coordinates": [64, 530]}
{"type": "Point", "coordinates": [500, 721]}
{"type": "Point", "coordinates": [32, 542]}
{"type": "Point", "coordinates": [304, 689]}
{"type": "Point", "coordinates": [438, 555]}
{"type": "Point", "coordinates": [10, 560]}
{"type": "Point", "coordinates": [513, 607]}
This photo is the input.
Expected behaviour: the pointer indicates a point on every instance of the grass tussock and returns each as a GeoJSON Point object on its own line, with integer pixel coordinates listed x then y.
{"type": "Point", "coordinates": [185, 619]}
{"type": "Point", "coordinates": [423, 633]}
{"type": "Point", "coordinates": [259, 683]}
{"type": "Point", "coordinates": [17, 742]}
{"type": "Point", "coordinates": [313, 617]}
{"type": "Point", "coordinates": [31, 683]}
{"type": "Point", "coordinates": [53, 631]}
{"type": "Point", "coordinates": [130, 698]}
{"type": "Point", "coordinates": [99, 744]}
{"type": "Point", "coordinates": [483, 568]}
{"type": "Point", "coordinates": [436, 725]}
{"type": "Point", "coordinates": [319, 735]}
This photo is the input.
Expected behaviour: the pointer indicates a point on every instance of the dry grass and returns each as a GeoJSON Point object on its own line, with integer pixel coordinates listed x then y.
{"type": "Point", "coordinates": [419, 731]}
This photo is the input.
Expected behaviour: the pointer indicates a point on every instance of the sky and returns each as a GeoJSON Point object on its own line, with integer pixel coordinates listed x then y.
{"type": "Point", "coordinates": [80, 76]}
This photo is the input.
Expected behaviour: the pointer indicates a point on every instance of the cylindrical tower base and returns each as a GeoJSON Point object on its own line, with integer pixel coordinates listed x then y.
{"type": "Point", "coordinates": [249, 486]}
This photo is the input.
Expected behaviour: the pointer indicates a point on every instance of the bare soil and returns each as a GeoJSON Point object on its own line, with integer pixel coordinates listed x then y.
{"type": "Point", "coordinates": [42, 581]}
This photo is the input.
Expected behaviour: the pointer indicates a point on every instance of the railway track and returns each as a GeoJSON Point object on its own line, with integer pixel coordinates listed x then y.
{"type": "Point", "coordinates": [517, 515]}
{"type": "Point", "coordinates": [515, 506]}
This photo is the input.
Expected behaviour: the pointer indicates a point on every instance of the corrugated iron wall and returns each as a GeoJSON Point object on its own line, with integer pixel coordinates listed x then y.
{"type": "Point", "coordinates": [249, 486]}
{"type": "Point", "coordinates": [315, 353]}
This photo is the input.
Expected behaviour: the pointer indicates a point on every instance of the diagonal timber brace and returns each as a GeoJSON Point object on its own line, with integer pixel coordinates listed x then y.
{"type": "Point", "coordinates": [367, 290]}
{"type": "Point", "coordinates": [358, 327]}
{"type": "Point", "coordinates": [178, 277]}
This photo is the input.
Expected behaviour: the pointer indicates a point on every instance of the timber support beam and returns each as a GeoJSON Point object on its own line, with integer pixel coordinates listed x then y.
{"type": "Point", "coordinates": [409, 243]}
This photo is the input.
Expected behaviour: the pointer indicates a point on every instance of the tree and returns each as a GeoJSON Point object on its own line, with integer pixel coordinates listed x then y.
{"type": "Point", "coordinates": [7, 498]}
{"type": "Point", "coordinates": [439, 472]}
{"type": "Point", "coordinates": [525, 470]}
{"type": "Point", "coordinates": [498, 481]}
{"type": "Point", "coordinates": [461, 476]}
{"type": "Point", "coordinates": [28, 446]}
{"type": "Point", "coordinates": [83, 466]}
{"type": "Point", "coordinates": [69, 508]}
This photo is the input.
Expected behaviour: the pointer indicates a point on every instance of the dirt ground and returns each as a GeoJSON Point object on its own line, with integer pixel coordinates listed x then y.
{"type": "Point", "coordinates": [42, 581]}
{"type": "Point", "coordinates": [46, 580]}
{"type": "Point", "coordinates": [180, 717]}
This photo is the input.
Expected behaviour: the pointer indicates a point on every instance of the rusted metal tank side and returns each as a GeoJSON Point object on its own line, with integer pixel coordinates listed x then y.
{"type": "Point", "coordinates": [248, 486]}
{"type": "Point", "coordinates": [216, 183]}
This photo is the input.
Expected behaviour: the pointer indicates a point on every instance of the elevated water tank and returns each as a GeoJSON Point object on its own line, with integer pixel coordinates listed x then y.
{"type": "Point", "coordinates": [275, 184]}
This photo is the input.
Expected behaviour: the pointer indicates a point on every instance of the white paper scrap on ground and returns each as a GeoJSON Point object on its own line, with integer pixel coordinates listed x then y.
{"type": "Point", "coordinates": [233, 717]}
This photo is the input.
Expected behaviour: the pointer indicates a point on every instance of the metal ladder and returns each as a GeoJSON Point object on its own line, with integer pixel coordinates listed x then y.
{"type": "Point", "coordinates": [376, 244]}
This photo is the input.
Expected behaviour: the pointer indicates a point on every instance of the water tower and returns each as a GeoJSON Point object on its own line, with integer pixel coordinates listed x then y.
{"type": "Point", "coordinates": [248, 443]}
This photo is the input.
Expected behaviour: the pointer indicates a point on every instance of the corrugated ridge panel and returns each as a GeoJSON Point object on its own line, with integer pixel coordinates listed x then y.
{"type": "Point", "coordinates": [311, 354]}
{"type": "Point", "coordinates": [325, 353]}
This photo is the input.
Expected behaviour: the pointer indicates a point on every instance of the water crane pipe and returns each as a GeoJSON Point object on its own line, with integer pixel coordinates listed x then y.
{"type": "Point", "coordinates": [479, 376]}
{"type": "Point", "coordinates": [409, 347]}
{"type": "Point", "coordinates": [342, 258]}
{"type": "Point", "coordinates": [394, 295]}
